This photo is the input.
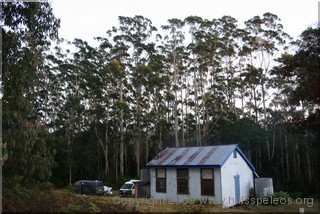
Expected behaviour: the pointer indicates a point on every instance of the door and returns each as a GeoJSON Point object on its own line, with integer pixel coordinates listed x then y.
{"type": "Point", "coordinates": [237, 188]}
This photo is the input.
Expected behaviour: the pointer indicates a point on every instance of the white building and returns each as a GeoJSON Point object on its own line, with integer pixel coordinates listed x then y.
{"type": "Point", "coordinates": [221, 174]}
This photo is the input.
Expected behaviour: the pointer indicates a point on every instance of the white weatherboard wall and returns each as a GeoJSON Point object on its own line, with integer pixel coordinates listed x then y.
{"type": "Point", "coordinates": [232, 167]}
{"type": "Point", "coordinates": [194, 186]}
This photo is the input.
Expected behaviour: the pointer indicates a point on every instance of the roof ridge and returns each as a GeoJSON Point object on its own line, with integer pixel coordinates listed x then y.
{"type": "Point", "coordinates": [200, 146]}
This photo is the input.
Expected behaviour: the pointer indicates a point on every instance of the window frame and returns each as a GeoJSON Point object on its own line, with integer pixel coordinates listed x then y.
{"type": "Point", "coordinates": [205, 181]}
{"type": "Point", "coordinates": [180, 180]}
{"type": "Point", "coordinates": [164, 180]}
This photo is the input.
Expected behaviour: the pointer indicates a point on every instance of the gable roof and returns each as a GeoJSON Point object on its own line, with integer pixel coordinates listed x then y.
{"type": "Point", "coordinates": [201, 156]}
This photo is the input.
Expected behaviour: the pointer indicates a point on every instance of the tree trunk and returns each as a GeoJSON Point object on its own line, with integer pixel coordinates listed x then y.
{"type": "Point", "coordinates": [282, 160]}
{"type": "Point", "coordinates": [196, 108]}
{"type": "Point", "coordinates": [298, 159]}
{"type": "Point", "coordinates": [287, 157]}
{"type": "Point", "coordinates": [255, 104]}
{"type": "Point", "coordinates": [121, 149]}
{"type": "Point", "coordinates": [182, 118]}
{"type": "Point", "coordinates": [115, 158]}
{"type": "Point", "coordinates": [138, 151]}
{"type": "Point", "coordinates": [273, 143]}
{"type": "Point", "coordinates": [176, 124]}
{"type": "Point", "coordinates": [138, 140]}
{"type": "Point", "coordinates": [147, 149]}
{"type": "Point", "coordinates": [106, 161]}
{"type": "Point", "coordinates": [294, 160]}
{"type": "Point", "coordinates": [104, 147]}
{"type": "Point", "coordinates": [69, 153]}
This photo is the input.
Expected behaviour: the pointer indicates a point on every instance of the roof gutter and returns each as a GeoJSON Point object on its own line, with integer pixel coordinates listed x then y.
{"type": "Point", "coordinates": [256, 174]}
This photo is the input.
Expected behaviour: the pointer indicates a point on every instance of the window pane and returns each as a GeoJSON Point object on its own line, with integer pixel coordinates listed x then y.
{"type": "Point", "coordinates": [235, 154]}
{"type": "Point", "coordinates": [206, 174]}
{"type": "Point", "coordinates": [161, 185]}
{"type": "Point", "coordinates": [161, 173]}
{"type": "Point", "coordinates": [182, 173]}
{"type": "Point", "coordinates": [207, 187]}
{"type": "Point", "coordinates": [183, 186]}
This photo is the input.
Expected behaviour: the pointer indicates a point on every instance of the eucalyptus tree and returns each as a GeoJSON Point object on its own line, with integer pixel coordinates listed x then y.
{"type": "Point", "coordinates": [68, 101]}
{"type": "Point", "coordinates": [174, 47]}
{"type": "Point", "coordinates": [208, 51]}
{"type": "Point", "coordinates": [222, 38]}
{"type": "Point", "coordinates": [229, 35]}
{"type": "Point", "coordinates": [264, 42]}
{"type": "Point", "coordinates": [119, 67]}
{"type": "Point", "coordinates": [194, 23]}
{"type": "Point", "coordinates": [137, 31]}
{"type": "Point", "coordinates": [158, 81]}
{"type": "Point", "coordinates": [61, 102]}
{"type": "Point", "coordinates": [27, 31]}
{"type": "Point", "coordinates": [297, 80]}
{"type": "Point", "coordinates": [92, 65]}
{"type": "Point", "coordinates": [105, 92]}
{"type": "Point", "coordinates": [302, 67]}
{"type": "Point", "coordinates": [53, 83]}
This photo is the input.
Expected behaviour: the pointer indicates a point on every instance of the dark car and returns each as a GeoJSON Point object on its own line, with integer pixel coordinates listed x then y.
{"type": "Point", "coordinates": [89, 187]}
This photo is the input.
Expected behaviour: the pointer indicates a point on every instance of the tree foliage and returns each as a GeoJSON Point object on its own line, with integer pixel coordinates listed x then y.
{"type": "Point", "coordinates": [302, 68]}
{"type": "Point", "coordinates": [27, 30]}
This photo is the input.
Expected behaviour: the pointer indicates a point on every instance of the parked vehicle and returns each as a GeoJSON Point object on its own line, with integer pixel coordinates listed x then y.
{"type": "Point", "coordinates": [127, 188]}
{"type": "Point", "coordinates": [91, 187]}
{"type": "Point", "coordinates": [107, 190]}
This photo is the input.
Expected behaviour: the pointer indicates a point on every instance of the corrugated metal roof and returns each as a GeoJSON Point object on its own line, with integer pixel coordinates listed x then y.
{"type": "Point", "coordinates": [192, 156]}
{"type": "Point", "coordinates": [213, 156]}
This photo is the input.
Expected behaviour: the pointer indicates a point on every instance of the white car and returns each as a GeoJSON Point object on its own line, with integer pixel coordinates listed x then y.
{"type": "Point", "coordinates": [107, 190]}
{"type": "Point", "coordinates": [127, 188]}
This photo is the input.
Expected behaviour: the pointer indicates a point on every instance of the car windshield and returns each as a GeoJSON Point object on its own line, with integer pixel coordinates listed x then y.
{"type": "Point", "coordinates": [127, 186]}
{"type": "Point", "coordinates": [99, 183]}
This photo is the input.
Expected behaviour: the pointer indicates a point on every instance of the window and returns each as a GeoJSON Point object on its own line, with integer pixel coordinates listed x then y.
{"type": "Point", "coordinates": [235, 154]}
{"type": "Point", "coordinates": [161, 180]}
{"type": "Point", "coordinates": [207, 182]}
{"type": "Point", "coordinates": [182, 181]}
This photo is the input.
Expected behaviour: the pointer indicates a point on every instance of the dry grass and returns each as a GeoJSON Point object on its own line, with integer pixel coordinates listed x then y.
{"type": "Point", "coordinates": [64, 200]}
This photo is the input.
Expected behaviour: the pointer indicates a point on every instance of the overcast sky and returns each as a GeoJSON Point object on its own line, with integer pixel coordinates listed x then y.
{"type": "Point", "coordinates": [86, 19]}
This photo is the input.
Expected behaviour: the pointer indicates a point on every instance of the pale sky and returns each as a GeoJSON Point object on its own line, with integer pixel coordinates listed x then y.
{"type": "Point", "coordinates": [86, 19]}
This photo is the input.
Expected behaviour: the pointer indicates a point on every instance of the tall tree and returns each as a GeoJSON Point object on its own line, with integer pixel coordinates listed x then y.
{"type": "Point", "coordinates": [303, 67]}
{"type": "Point", "coordinates": [174, 45]}
{"type": "Point", "coordinates": [299, 73]}
{"type": "Point", "coordinates": [27, 31]}
{"type": "Point", "coordinates": [138, 30]}
{"type": "Point", "coordinates": [265, 40]}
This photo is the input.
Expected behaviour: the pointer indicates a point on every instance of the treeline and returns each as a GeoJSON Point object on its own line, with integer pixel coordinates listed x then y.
{"type": "Point", "coordinates": [76, 111]}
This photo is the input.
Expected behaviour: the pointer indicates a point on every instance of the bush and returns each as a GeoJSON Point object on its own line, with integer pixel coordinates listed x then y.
{"type": "Point", "coordinates": [23, 196]}
{"type": "Point", "coordinates": [277, 196]}
{"type": "Point", "coordinates": [46, 186]}
{"type": "Point", "coordinates": [281, 194]}
{"type": "Point", "coordinates": [252, 193]}
{"type": "Point", "coordinates": [296, 194]}
{"type": "Point", "coordinates": [14, 191]}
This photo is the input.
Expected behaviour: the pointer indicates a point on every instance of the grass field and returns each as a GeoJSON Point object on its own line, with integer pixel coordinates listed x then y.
{"type": "Point", "coordinates": [50, 199]}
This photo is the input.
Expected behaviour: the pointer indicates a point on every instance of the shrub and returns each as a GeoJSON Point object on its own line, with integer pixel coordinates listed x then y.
{"type": "Point", "coordinates": [277, 196]}
{"type": "Point", "coordinates": [296, 194]}
{"type": "Point", "coordinates": [281, 194]}
{"type": "Point", "coordinates": [252, 193]}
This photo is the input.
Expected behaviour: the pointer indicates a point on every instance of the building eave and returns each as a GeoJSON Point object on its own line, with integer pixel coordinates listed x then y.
{"type": "Point", "coordinates": [183, 166]}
